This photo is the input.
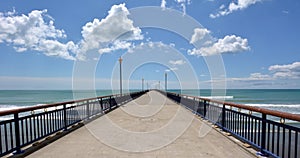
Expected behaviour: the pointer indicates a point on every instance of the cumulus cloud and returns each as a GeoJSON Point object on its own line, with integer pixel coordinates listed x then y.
{"type": "Point", "coordinates": [177, 62]}
{"type": "Point", "coordinates": [117, 45]}
{"type": "Point", "coordinates": [199, 34]}
{"type": "Point", "coordinates": [100, 32]}
{"type": "Point", "coordinates": [234, 6]}
{"type": "Point", "coordinates": [182, 4]}
{"type": "Point", "coordinates": [34, 32]}
{"type": "Point", "coordinates": [163, 4]}
{"type": "Point", "coordinates": [229, 44]}
{"type": "Point", "coordinates": [286, 71]}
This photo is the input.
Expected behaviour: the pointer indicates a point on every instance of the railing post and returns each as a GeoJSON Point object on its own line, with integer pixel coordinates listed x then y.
{"type": "Point", "coordinates": [223, 117]}
{"type": "Point", "coordinates": [88, 109]}
{"type": "Point", "coordinates": [17, 133]}
{"type": "Point", "coordinates": [204, 112]}
{"type": "Point", "coordinates": [263, 135]}
{"type": "Point", "coordinates": [110, 103]}
{"type": "Point", "coordinates": [65, 117]}
{"type": "Point", "coordinates": [101, 105]}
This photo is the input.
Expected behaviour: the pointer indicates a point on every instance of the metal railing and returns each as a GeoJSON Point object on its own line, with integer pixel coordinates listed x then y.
{"type": "Point", "coordinates": [24, 126]}
{"type": "Point", "coordinates": [265, 130]}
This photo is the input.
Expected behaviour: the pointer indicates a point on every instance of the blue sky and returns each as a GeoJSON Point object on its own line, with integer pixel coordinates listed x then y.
{"type": "Point", "coordinates": [43, 43]}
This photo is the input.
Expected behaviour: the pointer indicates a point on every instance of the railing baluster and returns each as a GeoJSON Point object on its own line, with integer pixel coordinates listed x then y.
{"type": "Point", "coordinates": [204, 113]}
{"type": "Point", "coordinates": [110, 103]}
{"type": "Point", "coordinates": [88, 109]}
{"type": "Point", "coordinates": [223, 116]}
{"type": "Point", "coordinates": [22, 127]}
{"type": "Point", "coordinates": [101, 105]}
{"type": "Point", "coordinates": [263, 135]}
{"type": "Point", "coordinates": [17, 133]}
{"type": "Point", "coordinates": [1, 139]}
{"type": "Point", "coordinates": [11, 135]}
{"type": "Point", "coordinates": [65, 117]}
{"type": "Point", "coordinates": [283, 141]}
{"type": "Point", "coordinates": [252, 129]}
{"type": "Point", "coordinates": [273, 138]}
{"type": "Point", "coordinates": [6, 139]}
{"type": "Point", "coordinates": [249, 129]}
{"type": "Point", "coordinates": [268, 142]}
{"type": "Point", "coordinates": [289, 142]}
{"type": "Point", "coordinates": [26, 130]}
{"type": "Point", "coordinates": [278, 139]}
{"type": "Point", "coordinates": [296, 144]}
{"type": "Point", "coordinates": [255, 131]}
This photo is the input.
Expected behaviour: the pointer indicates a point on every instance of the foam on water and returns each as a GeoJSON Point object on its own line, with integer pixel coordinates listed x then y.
{"type": "Point", "coordinates": [290, 108]}
{"type": "Point", "coordinates": [218, 97]}
{"type": "Point", "coordinates": [276, 105]}
{"type": "Point", "coordinates": [10, 107]}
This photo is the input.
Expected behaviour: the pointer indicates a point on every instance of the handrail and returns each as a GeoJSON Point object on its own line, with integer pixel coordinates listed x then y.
{"type": "Point", "coordinates": [31, 108]}
{"type": "Point", "coordinates": [295, 117]}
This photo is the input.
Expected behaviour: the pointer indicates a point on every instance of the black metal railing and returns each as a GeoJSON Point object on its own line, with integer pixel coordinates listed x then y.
{"type": "Point", "coordinates": [273, 133]}
{"type": "Point", "coordinates": [24, 126]}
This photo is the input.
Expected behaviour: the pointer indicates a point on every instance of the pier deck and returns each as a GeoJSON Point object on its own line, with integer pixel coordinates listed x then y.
{"type": "Point", "coordinates": [150, 113]}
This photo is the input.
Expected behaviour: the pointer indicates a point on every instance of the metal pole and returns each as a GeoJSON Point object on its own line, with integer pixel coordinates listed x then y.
{"type": "Point", "coordinates": [158, 84]}
{"type": "Point", "coordinates": [142, 84]}
{"type": "Point", "coordinates": [120, 61]}
{"type": "Point", "coordinates": [166, 81]}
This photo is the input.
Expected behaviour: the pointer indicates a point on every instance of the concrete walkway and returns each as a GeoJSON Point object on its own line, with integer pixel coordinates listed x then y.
{"type": "Point", "coordinates": [150, 126]}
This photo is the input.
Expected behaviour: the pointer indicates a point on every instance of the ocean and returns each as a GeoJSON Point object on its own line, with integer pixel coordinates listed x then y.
{"type": "Point", "coordinates": [287, 100]}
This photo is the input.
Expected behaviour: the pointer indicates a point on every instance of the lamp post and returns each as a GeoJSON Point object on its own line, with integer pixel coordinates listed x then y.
{"type": "Point", "coordinates": [120, 61]}
{"type": "Point", "coordinates": [166, 81]}
{"type": "Point", "coordinates": [159, 85]}
{"type": "Point", "coordinates": [147, 86]}
{"type": "Point", "coordinates": [142, 84]}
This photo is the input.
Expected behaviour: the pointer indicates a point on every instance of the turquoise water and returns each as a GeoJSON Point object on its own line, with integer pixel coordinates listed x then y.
{"type": "Point", "coordinates": [11, 99]}
{"type": "Point", "coordinates": [276, 99]}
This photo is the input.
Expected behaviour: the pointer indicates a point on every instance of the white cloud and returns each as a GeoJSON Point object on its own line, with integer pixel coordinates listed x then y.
{"type": "Point", "coordinates": [285, 12]}
{"type": "Point", "coordinates": [183, 1]}
{"type": "Point", "coordinates": [171, 69]}
{"type": "Point", "coordinates": [259, 76]}
{"type": "Point", "coordinates": [117, 45]}
{"type": "Point", "coordinates": [252, 77]}
{"type": "Point", "coordinates": [177, 62]}
{"type": "Point", "coordinates": [199, 34]}
{"type": "Point", "coordinates": [183, 4]}
{"type": "Point", "coordinates": [100, 32]}
{"type": "Point", "coordinates": [35, 31]}
{"type": "Point", "coordinates": [163, 4]}
{"type": "Point", "coordinates": [286, 71]}
{"type": "Point", "coordinates": [234, 6]}
{"type": "Point", "coordinates": [229, 44]}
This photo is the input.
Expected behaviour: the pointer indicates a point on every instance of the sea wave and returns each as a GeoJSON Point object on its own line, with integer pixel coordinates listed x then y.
{"type": "Point", "coordinates": [289, 108]}
{"type": "Point", "coordinates": [218, 97]}
{"type": "Point", "coordinates": [11, 107]}
{"type": "Point", "coordinates": [276, 105]}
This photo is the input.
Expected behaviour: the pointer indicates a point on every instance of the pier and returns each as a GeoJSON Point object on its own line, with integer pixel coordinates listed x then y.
{"type": "Point", "coordinates": [210, 128]}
